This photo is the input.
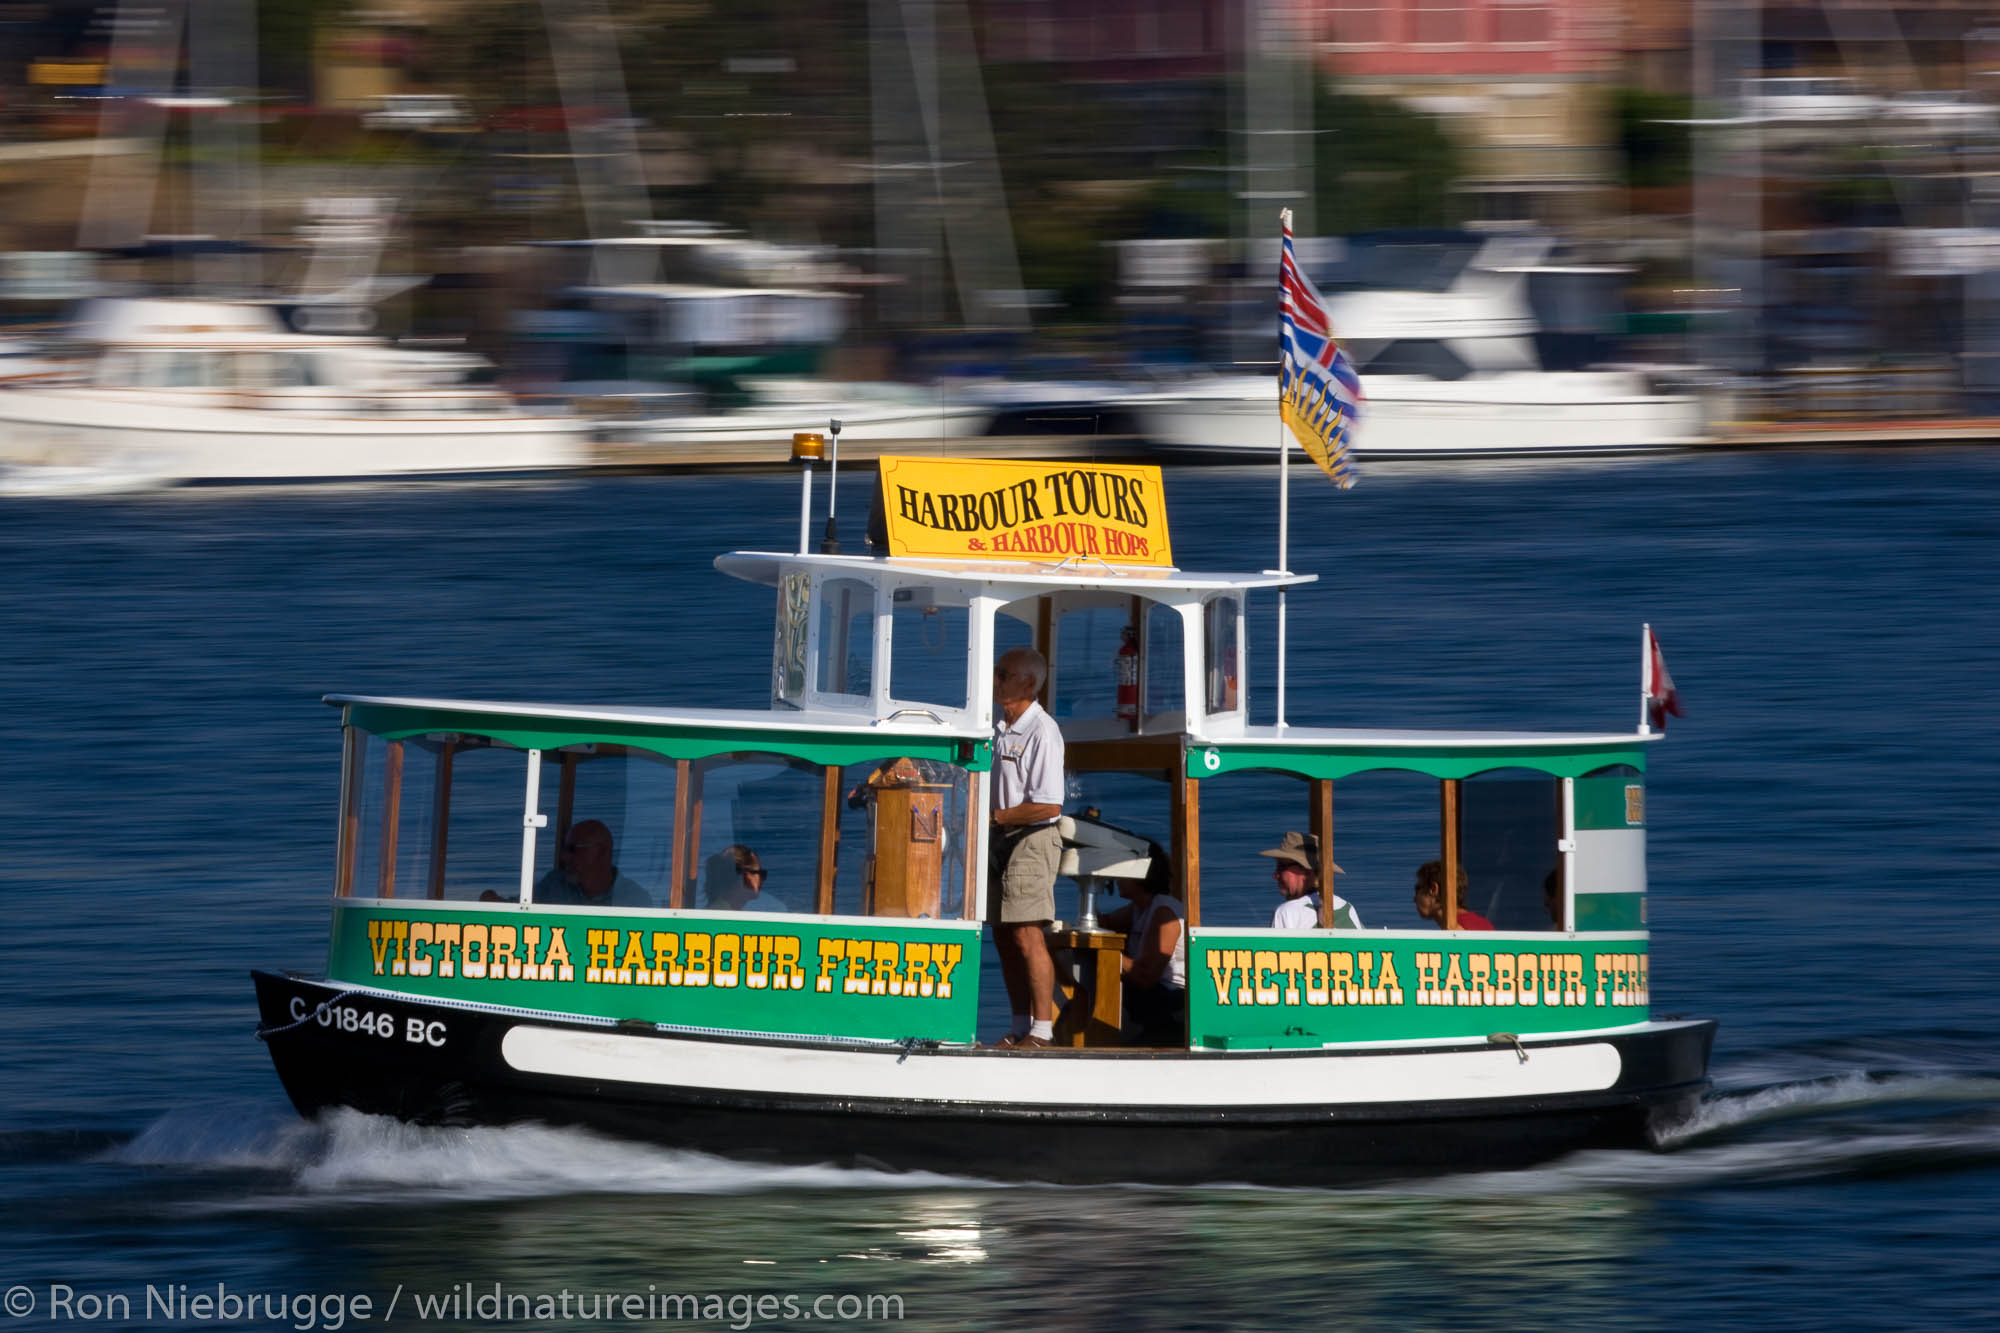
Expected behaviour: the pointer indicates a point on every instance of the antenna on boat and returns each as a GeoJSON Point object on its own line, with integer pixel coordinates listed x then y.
{"type": "Point", "coordinates": [830, 544]}
{"type": "Point", "coordinates": [807, 445]}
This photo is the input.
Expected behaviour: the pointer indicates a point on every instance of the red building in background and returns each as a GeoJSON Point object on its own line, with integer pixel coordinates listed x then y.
{"type": "Point", "coordinates": [1519, 83]}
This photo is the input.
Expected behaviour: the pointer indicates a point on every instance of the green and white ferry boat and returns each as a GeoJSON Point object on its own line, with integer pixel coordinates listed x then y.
{"type": "Point", "coordinates": [835, 1015]}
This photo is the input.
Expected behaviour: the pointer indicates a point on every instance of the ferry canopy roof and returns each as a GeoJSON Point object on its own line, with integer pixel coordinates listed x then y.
{"type": "Point", "coordinates": [830, 737]}
{"type": "Point", "coordinates": [1023, 578]}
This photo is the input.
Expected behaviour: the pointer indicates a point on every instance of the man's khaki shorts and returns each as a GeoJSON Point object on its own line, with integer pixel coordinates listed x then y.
{"type": "Point", "coordinates": [1028, 875]}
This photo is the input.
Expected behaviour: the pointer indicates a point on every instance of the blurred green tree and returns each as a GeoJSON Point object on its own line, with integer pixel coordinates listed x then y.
{"type": "Point", "coordinates": [1654, 138]}
{"type": "Point", "coordinates": [1377, 163]}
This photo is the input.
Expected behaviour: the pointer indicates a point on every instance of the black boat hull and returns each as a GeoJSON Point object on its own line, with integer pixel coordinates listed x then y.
{"type": "Point", "coordinates": [433, 1063]}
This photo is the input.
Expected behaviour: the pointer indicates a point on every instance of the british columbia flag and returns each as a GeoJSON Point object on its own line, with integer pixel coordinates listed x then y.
{"type": "Point", "coordinates": [1319, 395]}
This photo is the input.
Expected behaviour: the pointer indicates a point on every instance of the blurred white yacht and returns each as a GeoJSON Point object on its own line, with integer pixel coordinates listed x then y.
{"type": "Point", "coordinates": [691, 335]}
{"type": "Point", "coordinates": [1450, 373]}
{"type": "Point", "coordinates": [170, 391]}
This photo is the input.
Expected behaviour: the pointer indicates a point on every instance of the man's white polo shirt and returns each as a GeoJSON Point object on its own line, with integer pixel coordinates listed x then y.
{"type": "Point", "coordinates": [1027, 760]}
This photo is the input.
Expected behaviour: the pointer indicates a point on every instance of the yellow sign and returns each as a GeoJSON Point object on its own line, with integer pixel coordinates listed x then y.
{"type": "Point", "coordinates": [66, 73]}
{"type": "Point", "coordinates": [982, 509]}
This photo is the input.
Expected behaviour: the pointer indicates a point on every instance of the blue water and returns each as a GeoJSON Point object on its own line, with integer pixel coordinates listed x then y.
{"type": "Point", "coordinates": [1823, 855]}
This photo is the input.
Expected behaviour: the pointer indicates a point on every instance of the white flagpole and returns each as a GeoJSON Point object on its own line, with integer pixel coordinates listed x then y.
{"type": "Point", "coordinates": [1645, 668]}
{"type": "Point", "coordinates": [1284, 509]}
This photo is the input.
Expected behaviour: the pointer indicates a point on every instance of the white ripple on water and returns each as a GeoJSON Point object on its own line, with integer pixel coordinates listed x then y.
{"type": "Point", "coordinates": [1840, 1092]}
{"type": "Point", "coordinates": [348, 1157]}
{"type": "Point", "coordinates": [1714, 1147]}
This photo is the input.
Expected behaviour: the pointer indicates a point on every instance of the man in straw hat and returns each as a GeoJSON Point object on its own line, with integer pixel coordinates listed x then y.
{"type": "Point", "coordinates": [1297, 874]}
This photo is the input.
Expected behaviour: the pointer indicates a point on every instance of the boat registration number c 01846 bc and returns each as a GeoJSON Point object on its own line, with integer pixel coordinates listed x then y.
{"type": "Point", "coordinates": [369, 1022]}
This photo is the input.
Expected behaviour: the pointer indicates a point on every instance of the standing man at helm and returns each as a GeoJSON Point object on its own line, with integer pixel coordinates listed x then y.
{"type": "Point", "coordinates": [1026, 848]}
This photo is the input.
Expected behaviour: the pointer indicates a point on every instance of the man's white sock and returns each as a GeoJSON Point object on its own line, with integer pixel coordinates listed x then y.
{"type": "Point", "coordinates": [1044, 1029]}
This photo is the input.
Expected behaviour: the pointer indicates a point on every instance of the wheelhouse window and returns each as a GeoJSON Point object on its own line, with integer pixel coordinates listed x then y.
{"type": "Point", "coordinates": [846, 640]}
{"type": "Point", "coordinates": [928, 632]}
{"type": "Point", "coordinates": [1160, 669]}
{"type": "Point", "coordinates": [1086, 667]}
{"type": "Point", "coordinates": [1222, 650]}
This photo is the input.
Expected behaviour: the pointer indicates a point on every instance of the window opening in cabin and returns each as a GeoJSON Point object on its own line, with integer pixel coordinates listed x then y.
{"type": "Point", "coordinates": [1220, 619]}
{"type": "Point", "coordinates": [392, 831]}
{"type": "Point", "coordinates": [764, 803]}
{"type": "Point", "coordinates": [396, 847]}
{"type": "Point", "coordinates": [1084, 669]}
{"type": "Point", "coordinates": [415, 831]}
{"type": "Point", "coordinates": [928, 638]}
{"type": "Point", "coordinates": [1244, 814]}
{"type": "Point", "coordinates": [1510, 828]}
{"type": "Point", "coordinates": [896, 845]}
{"type": "Point", "coordinates": [1013, 628]}
{"type": "Point", "coordinates": [630, 793]}
{"type": "Point", "coordinates": [1385, 825]}
{"type": "Point", "coordinates": [1160, 673]}
{"type": "Point", "coordinates": [846, 637]}
{"type": "Point", "coordinates": [483, 835]}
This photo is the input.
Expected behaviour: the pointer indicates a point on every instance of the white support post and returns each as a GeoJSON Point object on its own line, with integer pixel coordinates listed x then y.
{"type": "Point", "coordinates": [1645, 667]}
{"type": "Point", "coordinates": [532, 819]}
{"type": "Point", "coordinates": [1284, 526]}
{"type": "Point", "coordinates": [1284, 555]}
{"type": "Point", "coordinates": [805, 505]}
{"type": "Point", "coordinates": [1568, 848]}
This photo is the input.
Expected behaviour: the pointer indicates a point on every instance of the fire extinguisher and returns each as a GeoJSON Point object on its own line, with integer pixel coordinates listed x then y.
{"type": "Point", "coordinates": [1128, 676]}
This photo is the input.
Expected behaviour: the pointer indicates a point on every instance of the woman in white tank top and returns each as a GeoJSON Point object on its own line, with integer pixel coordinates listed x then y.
{"type": "Point", "coordinates": [1155, 961]}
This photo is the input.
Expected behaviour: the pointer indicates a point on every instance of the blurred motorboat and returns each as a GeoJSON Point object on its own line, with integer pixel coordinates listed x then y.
{"type": "Point", "coordinates": [216, 391]}
{"type": "Point", "coordinates": [1450, 373]}
{"type": "Point", "coordinates": [870, 413]}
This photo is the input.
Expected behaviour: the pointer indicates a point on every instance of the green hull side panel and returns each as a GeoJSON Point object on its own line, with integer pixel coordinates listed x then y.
{"type": "Point", "coordinates": [1272, 989]}
{"type": "Point", "coordinates": [755, 972]}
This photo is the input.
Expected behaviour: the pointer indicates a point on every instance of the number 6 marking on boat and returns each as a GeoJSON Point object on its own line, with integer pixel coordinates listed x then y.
{"type": "Point", "coordinates": [1211, 759]}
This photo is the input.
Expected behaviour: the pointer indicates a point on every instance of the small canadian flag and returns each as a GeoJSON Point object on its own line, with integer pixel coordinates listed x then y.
{"type": "Point", "coordinates": [1659, 697]}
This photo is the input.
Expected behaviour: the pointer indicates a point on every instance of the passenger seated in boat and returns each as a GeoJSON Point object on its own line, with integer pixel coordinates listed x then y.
{"type": "Point", "coordinates": [1154, 966]}
{"type": "Point", "coordinates": [1430, 897]}
{"type": "Point", "coordinates": [733, 881]}
{"type": "Point", "coordinates": [1297, 871]}
{"type": "Point", "coordinates": [585, 874]}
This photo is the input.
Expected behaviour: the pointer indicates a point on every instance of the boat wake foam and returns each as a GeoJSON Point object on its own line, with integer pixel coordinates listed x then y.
{"type": "Point", "coordinates": [1838, 1126]}
{"type": "Point", "coordinates": [1853, 1091]}
{"type": "Point", "coordinates": [348, 1157]}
